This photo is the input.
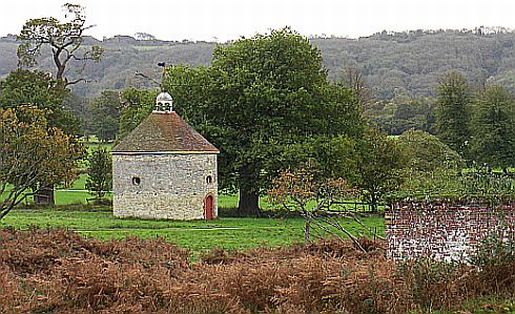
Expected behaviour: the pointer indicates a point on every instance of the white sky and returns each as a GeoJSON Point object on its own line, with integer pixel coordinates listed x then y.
{"type": "Point", "coordinates": [230, 19]}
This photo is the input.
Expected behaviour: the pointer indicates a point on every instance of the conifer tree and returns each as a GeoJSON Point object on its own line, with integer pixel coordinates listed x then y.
{"type": "Point", "coordinates": [453, 112]}
{"type": "Point", "coordinates": [99, 173]}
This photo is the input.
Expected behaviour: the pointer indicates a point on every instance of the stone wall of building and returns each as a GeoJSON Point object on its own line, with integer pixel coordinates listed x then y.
{"type": "Point", "coordinates": [444, 232]}
{"type": "Point", "coordinates": [164, 186]}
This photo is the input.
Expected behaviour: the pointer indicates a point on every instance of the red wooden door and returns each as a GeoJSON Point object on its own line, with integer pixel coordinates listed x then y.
{"type": "Point", "coordinates": [208, 207]}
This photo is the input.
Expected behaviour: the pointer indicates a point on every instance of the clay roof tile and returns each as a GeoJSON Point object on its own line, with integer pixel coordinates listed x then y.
{"type": "Point", "coordinates": [164, 132]}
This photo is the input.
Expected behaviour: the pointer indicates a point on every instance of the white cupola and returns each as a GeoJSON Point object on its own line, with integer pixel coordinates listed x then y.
{"type": "Point", "coordinates": [164, 103]}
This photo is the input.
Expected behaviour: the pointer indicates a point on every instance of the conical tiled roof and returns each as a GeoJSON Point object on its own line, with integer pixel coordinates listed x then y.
{"type": "Point", "coordinates": [164, 132]}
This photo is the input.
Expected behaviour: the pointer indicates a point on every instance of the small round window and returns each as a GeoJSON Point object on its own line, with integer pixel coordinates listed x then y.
{"type": "Point", "coordinates": [136, 181]}
{"type": "Point", "coordinates": [209, 179]}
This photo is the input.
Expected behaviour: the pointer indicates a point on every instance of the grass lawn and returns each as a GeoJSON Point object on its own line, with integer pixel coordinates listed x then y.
{"type": "Point", "coordinates": [198, 236]}
{"type": "Point", "coordinates": [228, 233]}
{"type": "Point", "coordinates": [77, 194]}
{"type": "Point", "coordinates": [94, 146]}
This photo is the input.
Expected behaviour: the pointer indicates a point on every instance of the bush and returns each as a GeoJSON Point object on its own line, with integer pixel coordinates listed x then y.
{"type": "Point", "coordinates": [434, 285]}
{"type": "Point", "coordinates": [496, 260]}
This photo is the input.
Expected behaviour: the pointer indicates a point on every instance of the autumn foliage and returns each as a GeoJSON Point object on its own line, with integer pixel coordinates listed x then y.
{"type": "Point", "coordinates": [296, 189]}
{"type": "Point", "coordinates": [33, 155]}
{"type": "Point", "coordinates": [58, 271]}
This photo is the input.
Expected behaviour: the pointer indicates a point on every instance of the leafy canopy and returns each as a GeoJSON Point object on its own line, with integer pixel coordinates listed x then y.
{"type": "Point", "coordinates": [377, 168]}
{"type": "Point", "coordinates": [425, 152]}
{"type": "Point", "coordinates": [33, 156]}
{"type": "Point", "coordinates": [259, 97]}
{"type": "Point", "coordinates": [37, 88]}
{"type": "Point", "coordinates": [106, 112]}
{"type": "Point", "coordinates": [136, 105]}
{"type": "Point", "coordinates": [453, 112]}
{"type": "Point", "coordinates": [493, 127]}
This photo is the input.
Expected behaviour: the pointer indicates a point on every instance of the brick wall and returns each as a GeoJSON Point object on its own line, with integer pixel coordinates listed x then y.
{"type": "Point", "coordinates": [444, 232]}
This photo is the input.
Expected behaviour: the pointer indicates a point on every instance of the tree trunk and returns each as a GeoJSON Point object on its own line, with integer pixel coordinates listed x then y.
{"type": "Point", "coordinates": [248, 205]}
{"type": "Point", "coordinates": [307, 231]}
{"type": "Point", "coordinates": [373, 203]}
{"type": "Point", "coordinates": [45, 196]}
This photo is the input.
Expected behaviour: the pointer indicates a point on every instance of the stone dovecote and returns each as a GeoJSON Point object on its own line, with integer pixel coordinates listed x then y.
{"type": "Point", "coordinates": [164, 169]}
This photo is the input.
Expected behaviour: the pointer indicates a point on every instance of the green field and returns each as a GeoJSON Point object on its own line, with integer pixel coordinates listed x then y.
{"type": "Point", "coordinates": [76, 194]}
{"type": "Point", "coordinates": [228, 233]}
{"type": "Point", "coordinates": [91, 146]}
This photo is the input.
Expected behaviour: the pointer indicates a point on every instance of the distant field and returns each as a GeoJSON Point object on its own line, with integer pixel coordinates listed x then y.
{"type": "Point", "coordinates": [93, 146]}
{"type": "Point", "coordinates": [229, 233]}
{"type": "Point", "coordinates": [77, 194]}
{"type": "Point", "coordinates": [198, 236]}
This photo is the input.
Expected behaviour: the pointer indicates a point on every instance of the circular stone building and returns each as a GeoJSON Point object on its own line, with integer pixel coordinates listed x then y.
{"type": "Point", "coordinates": [164, 169]}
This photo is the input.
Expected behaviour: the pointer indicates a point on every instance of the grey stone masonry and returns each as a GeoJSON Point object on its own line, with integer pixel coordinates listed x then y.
{"type": "Point", "coordinates": [164, 185]}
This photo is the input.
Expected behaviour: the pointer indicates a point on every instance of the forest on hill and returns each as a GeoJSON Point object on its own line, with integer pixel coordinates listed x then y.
{"type": "Point", "coordinates": [394, 65]}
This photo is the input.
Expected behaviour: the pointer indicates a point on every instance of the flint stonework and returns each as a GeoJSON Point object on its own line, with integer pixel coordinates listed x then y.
{"type": "Point", "coordinates": [172, 186]}
{"type": "Point", "coordinates": [164, 169]}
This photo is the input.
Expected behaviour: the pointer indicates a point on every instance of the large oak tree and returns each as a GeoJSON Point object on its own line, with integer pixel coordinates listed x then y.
{"type": "Point", "coordinates": [259, 97]}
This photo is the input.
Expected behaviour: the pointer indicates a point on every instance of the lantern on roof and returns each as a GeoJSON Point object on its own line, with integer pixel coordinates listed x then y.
{"type": "Point", "coordinates": [164, 103]}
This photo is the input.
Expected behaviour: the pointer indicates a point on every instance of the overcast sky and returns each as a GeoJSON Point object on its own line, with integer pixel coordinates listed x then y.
{"type": "Point", "coordinates": [229, 19]}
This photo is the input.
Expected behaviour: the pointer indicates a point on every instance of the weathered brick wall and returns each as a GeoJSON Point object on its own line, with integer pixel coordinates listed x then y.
{"type": "Point", "coordinates": [172, 186]}
{"type": "Point", "coordinates": [444, 232]}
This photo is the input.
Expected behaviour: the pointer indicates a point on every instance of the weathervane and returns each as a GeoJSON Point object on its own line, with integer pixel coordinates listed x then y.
{"type": "Point", "coordinates": [160, 64]}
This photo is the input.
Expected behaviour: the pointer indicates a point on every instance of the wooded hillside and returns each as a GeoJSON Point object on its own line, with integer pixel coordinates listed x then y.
{"type": "Point", "coordinates": [394, 64]}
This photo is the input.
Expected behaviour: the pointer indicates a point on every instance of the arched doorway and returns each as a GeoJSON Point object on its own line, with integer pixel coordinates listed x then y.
{"type": "Point", "coordinates": [208, 207]}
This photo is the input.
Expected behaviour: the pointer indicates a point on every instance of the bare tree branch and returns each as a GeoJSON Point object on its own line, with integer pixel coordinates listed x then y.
{"type": "Point", "coordinates": [65, 39]}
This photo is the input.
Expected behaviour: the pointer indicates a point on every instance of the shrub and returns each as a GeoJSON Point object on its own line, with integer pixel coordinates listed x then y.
{"type": "Point", "coordinates": [495, 259]}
